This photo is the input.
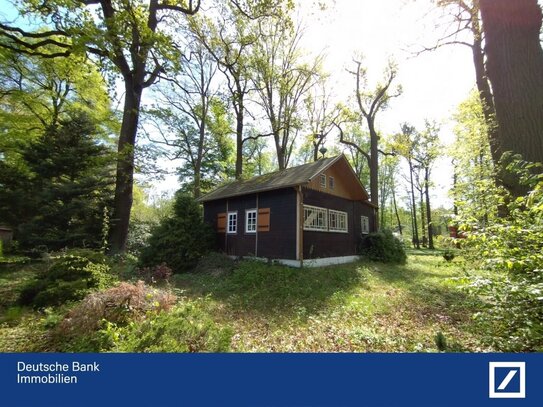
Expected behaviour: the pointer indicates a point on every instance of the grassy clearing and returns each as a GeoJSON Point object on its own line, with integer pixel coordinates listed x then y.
{"type": "Point", "coordinates": [359, 307]}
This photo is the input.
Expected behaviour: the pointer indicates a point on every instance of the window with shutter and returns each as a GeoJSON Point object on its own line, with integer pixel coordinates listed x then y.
{"type": "Point", "coordinates": [263, 223]}
{"type": "Point", "coordinates": [221, 222]}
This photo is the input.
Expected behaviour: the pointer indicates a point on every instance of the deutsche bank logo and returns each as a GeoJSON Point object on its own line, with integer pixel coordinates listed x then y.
{"type": "Point", "coordinates": [507, 380]}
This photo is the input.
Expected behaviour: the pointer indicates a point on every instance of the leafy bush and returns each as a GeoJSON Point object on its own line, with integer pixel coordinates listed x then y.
{"type": "Point", "coordinates": [70, 278]}
{"type": "Point", "coordinates": [216, 264]}
{"type": "Point", "coordinates": [448, 255]}
{"type": "Point", "coordinates": [1, 249]}
{"type": "Point", "coordinates": [119, 305]}
{"type": "Point", "coordinates": [511, 249]}
{"type": "Point", "coordinates": [186, 328]}
{"type": "Point", "coordinates": [156, 274]}
{"type": "Point", "coordinates": [383, 246]}
{"type": "Point", "coordinates": [181, 240]}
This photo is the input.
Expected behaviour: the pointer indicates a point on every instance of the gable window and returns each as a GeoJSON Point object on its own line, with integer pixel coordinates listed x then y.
{"type": "Point", "coordinates": [232, 222]}
{"type": "Point", "coordinates": [365, 224]}
{"type": "Point", "coordinates": [337, 221]}
{"type": "Point", "coordinates": [323, 180]}
{"type": "Point", "coordinates": [250, 221]}
{"type": "Point", "coordinates": [331, 182]}
{"type": "Point", "coordinates": [315, 218]}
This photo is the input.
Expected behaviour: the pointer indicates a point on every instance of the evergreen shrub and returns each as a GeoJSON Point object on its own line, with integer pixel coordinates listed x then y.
{"type": "Point", "coordinates": [180, 240]}
{"type": "Point", "coordinates": [69, 279]}
{"type": "Point", "coordinates": [383, 246]}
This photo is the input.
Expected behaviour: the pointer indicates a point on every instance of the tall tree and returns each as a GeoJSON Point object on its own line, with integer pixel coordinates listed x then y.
{"type": "Point", "coordinates": [515, 68]}
{"type": "Point", "coordinates": [282, 79]}
{"type": "Point", "coordinates": [229, 35]}
{"type": "Point", "coordinates": [320, 115]}
{"type": "Point", "coordinates": [427, 151]}
{"type": "Point", "coordinates": [405, 144]}
{"type": "Point", "coordinates": [130, 37]}
{"type": "Point", "coordinates": [464, 18]}
{"type": "Point", "coordinates": [370, 102]}
{"type": "Point", "coordinates": [190, 117]}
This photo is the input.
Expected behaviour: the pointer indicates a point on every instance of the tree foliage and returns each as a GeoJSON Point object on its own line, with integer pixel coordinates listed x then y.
{"type": "Point", "coordinates": [55, 195]}
{"type": "Point", "coordinates": [282, 78]}
{"type": "Point", "coordinates": [474, 190]}
{"type": "Point", "coordinates": [511, 249]}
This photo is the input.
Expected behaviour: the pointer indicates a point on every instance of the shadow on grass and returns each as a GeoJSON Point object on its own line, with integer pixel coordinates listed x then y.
{"type": "Point", "coordinates": [432, 289]}
{"type": "Point", "coordinates": [13, 277]}
{"type": "Point", "coordinates": [425, 252]}
{"type": "Point", "coordinates": [275, 290]}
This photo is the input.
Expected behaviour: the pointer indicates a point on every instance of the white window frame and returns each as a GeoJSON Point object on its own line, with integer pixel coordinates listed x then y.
{"type": "Point", "coordinates": [331, 182]}
{"type": "Point", "coordinates": [323, 180]}
{"type": "Point", "coordinates": [316, 210]}
{"type": "Point", "coordinates": [341, 221]}
{"type": "Point", "coordinates": [247, 223]}
{"type": "Point", "coordinates": [232, 227]}
{"type": "Point", "coordinates": [365, 225]}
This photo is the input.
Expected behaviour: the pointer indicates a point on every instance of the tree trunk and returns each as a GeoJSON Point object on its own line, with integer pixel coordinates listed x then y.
{"type": "Point", "coordinates": [396, 210]}
{"type": "Point", "coordinates": [422, 218]}
{"type": "Point", "coordinates": [485, 93]}
{"type": "Point", "coordinates": [428, 209]}
{"type": "Point", "coordinates": [239, 136]}
{"type": "Point", "coordinates": [416, 242]}
{"type": "Point", "coordinates": [374, 166]}
{"type": "Point", "coordinates": [515, 69]}
{"type": "Point", "coordinates": [124, 183]}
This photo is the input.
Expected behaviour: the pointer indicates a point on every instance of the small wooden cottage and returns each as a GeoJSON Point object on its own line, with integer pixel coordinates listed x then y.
{"type": "Point", "coordinates": [313, 214]}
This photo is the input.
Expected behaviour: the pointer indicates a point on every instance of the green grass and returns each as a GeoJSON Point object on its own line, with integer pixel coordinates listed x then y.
{"type": "Point", "coordinates": [358, 307]}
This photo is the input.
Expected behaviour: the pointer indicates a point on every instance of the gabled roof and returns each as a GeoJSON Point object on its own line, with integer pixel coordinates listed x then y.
{"type": "Point", "coordinates": [288, 177]}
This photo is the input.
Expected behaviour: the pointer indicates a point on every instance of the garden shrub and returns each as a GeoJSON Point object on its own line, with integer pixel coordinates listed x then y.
{"type": "Point", "coordinates": [186, 328]}
{"type": "Point", "coordinates": [119, 305]}
{"type": "Point", "coordinates": [70, 278]}
{"type": "Point", "coordinates": [383, 246]}
{"type": "Point", "coordinates": [155, 274]}
{"type": "Point", "coordinates": [181, 240]}
{"type": "Point", "coordinates": [511, 250]}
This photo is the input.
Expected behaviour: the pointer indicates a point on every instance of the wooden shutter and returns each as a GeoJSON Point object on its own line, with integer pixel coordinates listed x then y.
{"type": "Point", "coordinates": [221, 222]}
{"type": "Point", "coordinates": [263, 220]}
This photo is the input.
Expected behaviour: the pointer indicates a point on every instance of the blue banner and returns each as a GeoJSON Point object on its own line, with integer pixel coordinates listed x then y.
{"type": "Point", "coordinates": [160, 380]}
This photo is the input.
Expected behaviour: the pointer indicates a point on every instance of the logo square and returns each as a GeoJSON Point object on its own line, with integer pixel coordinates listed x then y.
{"type": "Point", "coordinates": [507, 380]}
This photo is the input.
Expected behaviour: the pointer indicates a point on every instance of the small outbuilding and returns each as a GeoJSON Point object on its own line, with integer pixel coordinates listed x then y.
{"type": "Point", "coordinates": [310, 215]}
{"type": "Point", "coordinates": [6, 234]}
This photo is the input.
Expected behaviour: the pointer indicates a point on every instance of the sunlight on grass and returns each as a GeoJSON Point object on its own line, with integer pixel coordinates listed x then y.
{"type": "Point", "coordinates": [356, 307]}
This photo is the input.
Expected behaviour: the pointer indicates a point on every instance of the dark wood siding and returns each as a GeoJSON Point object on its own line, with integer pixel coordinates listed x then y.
{"type": "Point", "coordinates": [334, 244]}
{"type": "Point", "coordinates": [277, 243]}
{"type": "Point", "coordinates": [280, 241]}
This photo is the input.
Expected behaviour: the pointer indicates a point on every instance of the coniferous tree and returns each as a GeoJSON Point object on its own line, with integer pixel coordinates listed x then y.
{"type": "Point", "coordinates": [56, 193]}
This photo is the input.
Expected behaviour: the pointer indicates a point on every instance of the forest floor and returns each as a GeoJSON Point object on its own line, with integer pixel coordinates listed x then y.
{"type": "Point", "coordinates": [358, 307]}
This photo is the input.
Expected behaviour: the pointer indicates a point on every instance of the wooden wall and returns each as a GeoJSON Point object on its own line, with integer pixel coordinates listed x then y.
{"type": "Point", "coordinates": [278, 242]}
{"type": "Point", "coordinates": [318, 244]}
